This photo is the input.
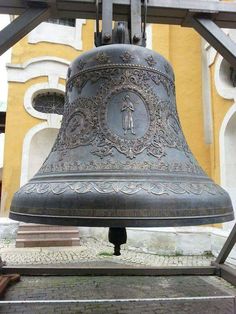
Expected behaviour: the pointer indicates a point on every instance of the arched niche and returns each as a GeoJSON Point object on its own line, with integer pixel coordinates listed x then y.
{"type": "Point", "coordinates": [228, 156]}
{"type": "Point", "coordinates": [230, 153]}
{"type": "Point", "coordinates": [39, 147]}
{"type": "Point", "coordinates": [224, 78]}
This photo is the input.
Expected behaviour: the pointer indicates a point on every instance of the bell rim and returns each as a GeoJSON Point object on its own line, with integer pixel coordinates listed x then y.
{"type": "Point", "coordinates": [149, 222]}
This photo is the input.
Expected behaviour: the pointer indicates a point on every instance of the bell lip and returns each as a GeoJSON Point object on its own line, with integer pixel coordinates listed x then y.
{"type": "Point", "coordinates": [122, 221]}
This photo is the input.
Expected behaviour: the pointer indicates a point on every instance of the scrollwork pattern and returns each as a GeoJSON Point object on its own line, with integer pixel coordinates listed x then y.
{"type": "Point", "coordinates": [129, 188]}
{"type": "Point", "coordinates": [85, 122]}
{"type": "Point", "coordinates": [112, 71]}
{"type": "Point", "coordinates": [79, 125]}
{"type": "Point", "coordinates": [110, 164]}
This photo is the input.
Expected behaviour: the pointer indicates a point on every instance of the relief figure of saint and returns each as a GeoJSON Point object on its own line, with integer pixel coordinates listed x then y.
{"type": "Point", "coordinates": [127, 115]}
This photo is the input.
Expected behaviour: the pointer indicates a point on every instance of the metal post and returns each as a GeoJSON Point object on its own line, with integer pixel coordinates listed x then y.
{"type": "Point", "coordinates": [107, 13]}
{"type": "Point", "coordinates": [135, 21]}
{"type": "Point", "coordinates": [227, 248]}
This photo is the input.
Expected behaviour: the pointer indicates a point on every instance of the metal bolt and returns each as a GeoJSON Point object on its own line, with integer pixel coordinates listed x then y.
{"type": "Point", "coordinates": [107, 37]}
{"type": "Point", "coordinates": [136, 38]}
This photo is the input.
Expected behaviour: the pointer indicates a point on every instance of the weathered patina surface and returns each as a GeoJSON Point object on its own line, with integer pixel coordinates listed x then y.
{"type": "Point", "coordinates": [121, 158]}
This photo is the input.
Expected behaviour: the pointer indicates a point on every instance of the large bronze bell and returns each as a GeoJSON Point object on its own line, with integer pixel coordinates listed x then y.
{"type": "Point", "coordinates": [121, 159]}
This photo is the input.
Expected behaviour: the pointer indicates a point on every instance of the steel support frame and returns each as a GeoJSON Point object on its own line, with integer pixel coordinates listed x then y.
{"type": "Point", "coordinates": [21, 26]}
{"type": "Point", "coordinates": [215, 37]}
{"type": "Point", "coordinates": [204, 17]}
{"type": "Point", "coordinates": [198, 15]}
{"type": "Point", "coordinates": [160, 11]}
{"type": "Point", "coordinates": [225, 271]}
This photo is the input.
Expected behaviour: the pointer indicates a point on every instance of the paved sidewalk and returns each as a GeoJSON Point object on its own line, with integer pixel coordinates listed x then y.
{"type": "Point", "coordinates": [111, 294]}
{"type": "Point", "coordinates": [119, 295]}
{"type": "Point", "coordinates": [93, 251]}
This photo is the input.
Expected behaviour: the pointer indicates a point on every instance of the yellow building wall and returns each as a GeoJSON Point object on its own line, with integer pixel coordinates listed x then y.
{"type": "Point", "coordinates": [181, 46]}
{"type": "Point", "coordinates": [18, 121]}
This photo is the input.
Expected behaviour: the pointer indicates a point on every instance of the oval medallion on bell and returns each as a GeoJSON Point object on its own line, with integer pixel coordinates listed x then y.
{"type": "Point", "coordinates": [121, 159]}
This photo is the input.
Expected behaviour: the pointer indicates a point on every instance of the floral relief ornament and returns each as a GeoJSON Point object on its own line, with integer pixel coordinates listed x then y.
{"type": "Point", "coordinates": [126, 56]}
{"type": "Point", "coordinates": [102, 57]}
{"type": "Point", "coordinates": [150, 61]}
{"type": "Point", "coordinates": [81, 64]}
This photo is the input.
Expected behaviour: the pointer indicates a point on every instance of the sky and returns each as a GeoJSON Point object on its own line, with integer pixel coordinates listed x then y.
{"type": "Point", "coordinates": [5, 58]}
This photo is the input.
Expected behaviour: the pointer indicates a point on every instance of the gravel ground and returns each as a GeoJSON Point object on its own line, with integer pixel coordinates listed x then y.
{"type": "Point", "coordinates": [90, 251]}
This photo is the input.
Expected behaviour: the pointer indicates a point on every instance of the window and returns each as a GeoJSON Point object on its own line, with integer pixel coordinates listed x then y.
{"type": "Point", "coordinates": [50, 102]}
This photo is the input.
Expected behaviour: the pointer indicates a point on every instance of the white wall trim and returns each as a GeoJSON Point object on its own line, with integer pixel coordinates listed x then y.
{"type": "Point", "coordinates": [32, 91]}
{"type": "Point", "coordinates": [170, 241]}
{"type": "Point", "coordinates": [36, 60]}
{"type": "Point", "coordinates": [149, 36]}
{"type": "Point", "coordinates": [206, 97]}
{"type": "Point", "coordinates": [2, 140]}
{"type": "Point", "coordinates": [58, 34]}
{"type": "Point", "coordinates": [52, 67]}
{"type": "Point", "coordinates": [210, 52]}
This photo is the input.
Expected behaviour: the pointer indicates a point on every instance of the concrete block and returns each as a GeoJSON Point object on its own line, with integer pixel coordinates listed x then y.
{"type": "Point", "coordinates": [8, 228]}
{"type": "Point", "coordinates": [152, 241]}
{"type": "Point", "coordinates": [189, 243]}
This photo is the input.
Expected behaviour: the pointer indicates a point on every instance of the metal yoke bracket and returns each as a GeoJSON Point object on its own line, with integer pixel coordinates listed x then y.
{"type": "Point", "coordinates": [131, 32]}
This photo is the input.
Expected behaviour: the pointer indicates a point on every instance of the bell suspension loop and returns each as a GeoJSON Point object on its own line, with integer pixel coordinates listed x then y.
{"type": "Point", "coordinates": [132, 31]}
